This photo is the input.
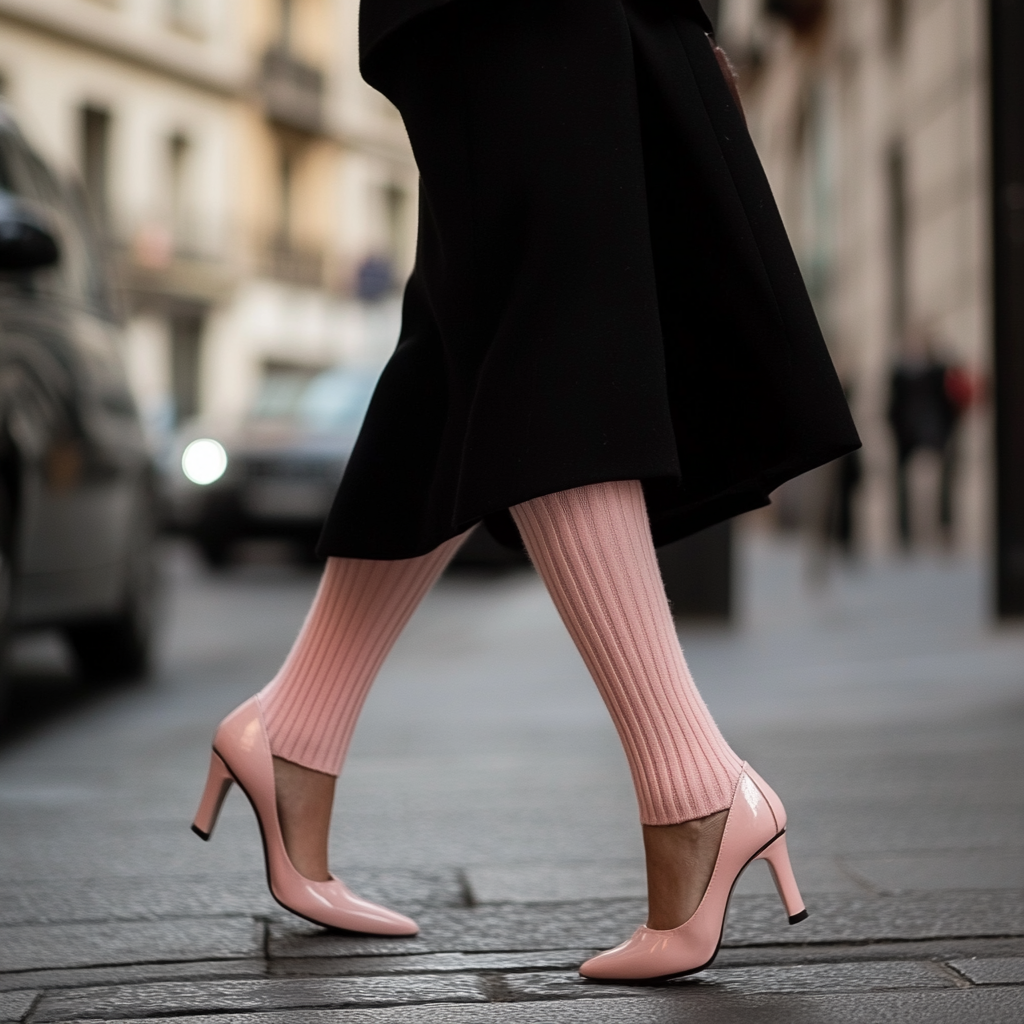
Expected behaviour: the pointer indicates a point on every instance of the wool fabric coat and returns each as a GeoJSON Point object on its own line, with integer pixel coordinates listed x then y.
{"type": "Point", "coordinates": [603, 287]}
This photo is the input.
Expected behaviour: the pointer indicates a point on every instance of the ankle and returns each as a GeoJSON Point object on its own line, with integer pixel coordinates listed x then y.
{"type": "Point", "coordinates": [304, 801]}
{"type": "Point", "coordinates": [680, 861]}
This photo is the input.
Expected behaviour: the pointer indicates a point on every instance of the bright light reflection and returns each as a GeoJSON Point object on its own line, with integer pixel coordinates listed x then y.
{"type": "Point", "coordinates": [204, 461]}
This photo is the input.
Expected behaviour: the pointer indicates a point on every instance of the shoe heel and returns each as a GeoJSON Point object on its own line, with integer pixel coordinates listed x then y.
{"type": "Point", "coordinates": [777, 856]}
{"type": "Point", "coordinates": [218, 782]}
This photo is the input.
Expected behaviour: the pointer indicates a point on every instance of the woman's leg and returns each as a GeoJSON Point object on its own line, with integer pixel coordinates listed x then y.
{"type": "Point", "coordinates": [312, 704]}
{"type": "Point", "coordinates": [592, 545]}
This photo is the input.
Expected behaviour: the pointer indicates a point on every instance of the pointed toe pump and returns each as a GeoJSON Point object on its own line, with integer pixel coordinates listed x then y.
{"type": "Point", "coordinates": [241, 753]}
{"type": "Point", "coordinates": [754, 830]}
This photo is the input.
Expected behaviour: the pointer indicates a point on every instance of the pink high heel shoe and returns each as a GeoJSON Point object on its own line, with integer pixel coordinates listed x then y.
{"type": "Point", "coordinates": [754, 830]}
{"type": "Point", "coordinates": [241, 753]}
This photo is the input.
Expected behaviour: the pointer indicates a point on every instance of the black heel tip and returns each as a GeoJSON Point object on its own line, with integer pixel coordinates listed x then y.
{"type": "Point", "coordinates": [205, 836]}
{"type": "Point", "coordinates": [797, 918]}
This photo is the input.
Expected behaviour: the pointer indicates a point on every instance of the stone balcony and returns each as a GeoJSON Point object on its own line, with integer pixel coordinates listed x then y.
{"type": "Point", "coordinates": [292, 91]}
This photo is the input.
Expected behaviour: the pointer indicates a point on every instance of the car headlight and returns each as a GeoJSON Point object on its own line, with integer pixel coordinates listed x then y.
{"type": "Point", "coordinates": [204, 461]}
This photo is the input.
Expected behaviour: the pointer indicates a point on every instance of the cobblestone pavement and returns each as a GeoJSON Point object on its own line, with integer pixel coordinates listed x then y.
{"type": "Point", "coordinates": [486, 795]}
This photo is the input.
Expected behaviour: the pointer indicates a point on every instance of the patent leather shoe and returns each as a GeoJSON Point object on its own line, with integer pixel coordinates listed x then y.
{"type": "Point", "coordinates": [241, 754]}
{"type": "Point", "coordinates": [755, 829]}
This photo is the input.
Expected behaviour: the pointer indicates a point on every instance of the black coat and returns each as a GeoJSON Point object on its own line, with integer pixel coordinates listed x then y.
{"type": "Point", "coordinates": [379, 19]}
{"type": "Point", "coordinates": [603, 287]}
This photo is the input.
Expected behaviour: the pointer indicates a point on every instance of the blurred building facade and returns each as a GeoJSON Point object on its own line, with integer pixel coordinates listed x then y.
{"type": "Point", "coordinates": [260, 196]}
{"type": "Point", "coordinates": [871, 117]}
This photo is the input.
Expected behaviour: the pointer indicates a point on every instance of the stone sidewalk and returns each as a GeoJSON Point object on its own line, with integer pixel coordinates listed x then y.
{"type": "Point", "coordinates": [486, 795]}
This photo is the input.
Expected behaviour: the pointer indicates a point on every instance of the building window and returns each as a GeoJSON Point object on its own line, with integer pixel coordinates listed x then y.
{"type": "Point", "coordinates": [94, 150]}
{"type": "Point", "coordinates": [289, 258]}
{"type": "Point", "coordinates": [394, 217]}
{"type": "Point", "coordinates": [286, 14]}
{"type": "Point", "coordinates": [285, 193]}
{"type": "Point", "coordinates": [895, 24]}
{"type": "Point", "coordinates": [179, 150]}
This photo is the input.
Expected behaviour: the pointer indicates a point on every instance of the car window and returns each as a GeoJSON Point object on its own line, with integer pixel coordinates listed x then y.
{"type": "Point", "coordinates": [280, 392]}
{"type": "Point", "coordinates": [6, 181]}
{"type": "Point", "coordinates": [336, 399]}
{"type": "Point", "coordinates": [333, 400]}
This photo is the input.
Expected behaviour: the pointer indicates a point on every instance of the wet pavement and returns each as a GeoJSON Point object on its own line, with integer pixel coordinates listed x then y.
{"type": "Point", "coordinates": [486, 795]}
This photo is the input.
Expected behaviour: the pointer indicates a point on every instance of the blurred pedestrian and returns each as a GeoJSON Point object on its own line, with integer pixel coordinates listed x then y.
{"type": "Point", "coordinates": [606, 343]}
{"type": "Point", "coordinates": [827, 511]}
{"type": "Point", "coordinates": [850, 473]}
{"type": "Point", "coordinates": [926, 401]}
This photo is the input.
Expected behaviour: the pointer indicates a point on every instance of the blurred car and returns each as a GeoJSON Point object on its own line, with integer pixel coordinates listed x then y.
{"type": "Point", "coordinates": [77, 487]}
{"type": "Point", "coordinates": [275, 474]}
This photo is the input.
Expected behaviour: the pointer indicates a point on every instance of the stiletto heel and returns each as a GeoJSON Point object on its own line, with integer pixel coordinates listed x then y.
{"type": "Point", "coordinates": [218, 782]}
{"type": "Point", "coordinates": [755, 828]}
{"type": "Point", "coordinates": [777, 856]}
{"type": "Point", "coordinates": [241, 753]}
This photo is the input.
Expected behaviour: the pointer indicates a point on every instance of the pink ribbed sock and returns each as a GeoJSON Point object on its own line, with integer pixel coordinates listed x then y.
{"type": "Point", "coordinates": [592, 546]}
{"type": "Point", "coordinates": [311, 705]}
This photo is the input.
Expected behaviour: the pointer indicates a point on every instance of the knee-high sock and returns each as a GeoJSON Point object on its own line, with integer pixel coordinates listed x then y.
{"type": "Point", "coordinates": [592, 546]}
{"type": "Point", "coordinates": [311, 705]}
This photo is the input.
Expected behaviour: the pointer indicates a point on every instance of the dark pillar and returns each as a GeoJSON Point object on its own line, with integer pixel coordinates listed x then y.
{"type": "Point", "coordinates": [186, 344]}
{"type": "Point", "coordinates": [698, 574]}
{"type": "Point", "coordinates": [1007, 83]}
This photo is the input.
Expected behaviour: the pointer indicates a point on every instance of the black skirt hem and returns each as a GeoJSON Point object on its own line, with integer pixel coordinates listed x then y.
{"type": "Point", "coordinates": [666, 528]}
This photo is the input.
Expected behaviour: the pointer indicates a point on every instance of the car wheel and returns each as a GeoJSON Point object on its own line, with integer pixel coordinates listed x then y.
{"type": "Point", "coordinates": [216, 552]}
{"type": "Point", "coordinates": [119, 648]}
